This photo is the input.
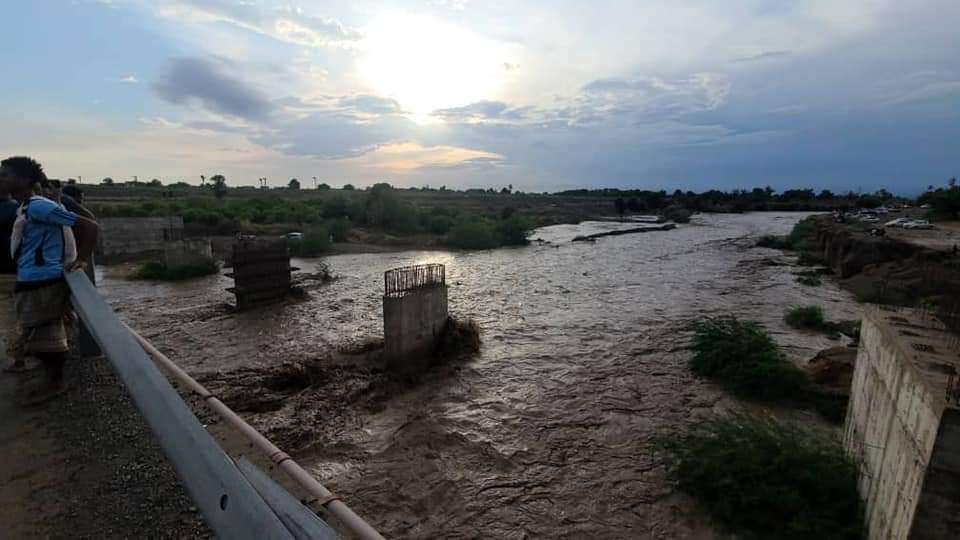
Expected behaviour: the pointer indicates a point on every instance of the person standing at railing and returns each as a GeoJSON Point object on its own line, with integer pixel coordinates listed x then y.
{"type": "Point", "coordinates": [41, 296]}
{"type": "Point", "coordinates": [8, 277]}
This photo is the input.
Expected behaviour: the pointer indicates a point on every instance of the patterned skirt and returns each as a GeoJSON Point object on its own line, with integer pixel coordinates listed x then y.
{"type": "Point", "coordinates": [41, 314]}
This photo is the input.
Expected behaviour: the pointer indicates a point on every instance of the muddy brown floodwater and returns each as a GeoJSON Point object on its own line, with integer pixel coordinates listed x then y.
{"type": "Point", "coordinates": [548, 432]}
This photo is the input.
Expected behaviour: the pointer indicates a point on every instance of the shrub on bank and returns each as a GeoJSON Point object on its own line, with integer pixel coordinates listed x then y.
{"type": "Point", "coordinates": [806, 317]}
{"type": "Point", "coordinates": [810, 281]}
{"type": "Point", "coordinates": [802, 235]}
{"type": "Point", "coordinates": [762, 479]}
{"type": "Point", "coordinates": [677, 214]}
{"type": "Point", "coordinates": [745, 360]}
{"type": "Point", "coordinates": [339, 228]}
{"type": "Point", "coordinates": [459, 337]}
{"type": "Point", "coordinates": [773, 242]}
{"type": "Point", "coordinates": [473, 233]}
{"type": "Point", "coordinates": [513, 230]}
{"type": "Point", "coordinates": [813, 318]}
{"type": "Point", "coordinates": [742, 357]}
{"type": "Point", "coordinates": [157, 271]}
{"type": "Point", "coordinates": [315, 242]}
{"type": "Point", "coordinates": [808, 258]}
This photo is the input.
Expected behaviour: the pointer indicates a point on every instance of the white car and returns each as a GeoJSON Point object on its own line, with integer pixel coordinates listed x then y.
{"type": "Point", "coordinates": [870, 219]}
{"type": "Point", "coordinates": [918, 224]}
{"type": "Point", "coordinates": [899, 222]}
{"type": "Point", "coordinates": [295, 236]}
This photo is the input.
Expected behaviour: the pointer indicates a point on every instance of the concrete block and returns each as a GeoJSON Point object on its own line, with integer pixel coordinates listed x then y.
{"type": "Point", "coordinates": [193, 252]}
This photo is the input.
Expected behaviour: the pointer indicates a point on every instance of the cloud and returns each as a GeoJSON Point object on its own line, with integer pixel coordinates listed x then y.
{"type": "Point", "coordinates": [208, 84]}
{"type": "Point", "coordinates": [646, 99]}
{"type": "Point", "coordinates": [768, 55]}
{"type": "Point", "coordinates": [371, 104]}
{"type": "Point", "coordinates": [129, 79]}
{"type": "Point", "coordinates": [287, 24]}
{"type": "Point", "coordinates": [484, 110]}
{"type": "Point", "coordinates": [337, 135]}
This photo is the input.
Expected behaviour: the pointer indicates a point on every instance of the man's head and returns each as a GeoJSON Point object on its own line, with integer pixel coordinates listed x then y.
{"type": "Point", "coordinates": [20, 174]}
{"type": "Point", "coordinates": [74, 192]}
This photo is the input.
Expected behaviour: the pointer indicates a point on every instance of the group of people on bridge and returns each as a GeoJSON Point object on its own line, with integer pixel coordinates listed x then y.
{"type": "Point", "coordinates": [45, 231]}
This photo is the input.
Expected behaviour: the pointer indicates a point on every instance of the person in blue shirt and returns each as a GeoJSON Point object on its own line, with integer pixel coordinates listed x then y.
{"type": "Point", "coordinates": [41, 296]}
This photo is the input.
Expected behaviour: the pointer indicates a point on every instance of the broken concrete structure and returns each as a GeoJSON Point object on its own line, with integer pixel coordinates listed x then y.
{"type": "Point", "coordinates": [127, 238]}
{"type": "Point", "coordinates": [261, 271]}
{"type": "Point", "coordinates": [414, 315]}
{"type": "Point", "coordinates": [192, 252]}
{"type": "Point", "coordinates": [903, 426]}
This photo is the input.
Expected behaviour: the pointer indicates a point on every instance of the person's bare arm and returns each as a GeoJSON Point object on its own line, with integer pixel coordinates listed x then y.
{"type": "Point", "coordinates": [85, 231]}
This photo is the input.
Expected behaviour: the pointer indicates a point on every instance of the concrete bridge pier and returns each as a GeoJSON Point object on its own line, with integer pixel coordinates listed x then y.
{"type": "Point", "coordinates": [414, 315]}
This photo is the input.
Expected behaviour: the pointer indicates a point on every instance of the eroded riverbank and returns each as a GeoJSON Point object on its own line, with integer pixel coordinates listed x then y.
{"type": "Point", "coordinates": [548, 432]}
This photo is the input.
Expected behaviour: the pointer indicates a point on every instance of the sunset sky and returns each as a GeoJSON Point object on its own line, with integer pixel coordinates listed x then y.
{"type": "Point", "coordinates": [550, 95]}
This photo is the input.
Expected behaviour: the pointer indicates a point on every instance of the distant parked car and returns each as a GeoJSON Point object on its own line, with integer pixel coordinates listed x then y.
{"type": "Point", "coordinates": [870, 219]}
{"type": "Point", "coordinates": [295, 236]}
{"type": "Point", "coordinates": [918, 224]}
{"type": "Point", "coordinates": [925, 206]}
{"type": "Point", "coordinates": [899, 222]}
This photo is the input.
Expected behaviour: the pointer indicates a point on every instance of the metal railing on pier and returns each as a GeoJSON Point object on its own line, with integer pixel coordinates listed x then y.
{"type": "Point", "coordinates": [398, 281]}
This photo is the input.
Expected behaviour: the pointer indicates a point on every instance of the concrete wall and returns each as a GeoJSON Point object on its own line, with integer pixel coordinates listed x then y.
{"type": "Point", "coordinates": [412, 324]}
{"type": "Point", "coordinates": [892, 426]}
{"type": "Point", "coordinates": [193, 252]}
{"type": "Point", "coordinates": [122, 238]}
{"type": "Point", "coordinates": [938, 510]}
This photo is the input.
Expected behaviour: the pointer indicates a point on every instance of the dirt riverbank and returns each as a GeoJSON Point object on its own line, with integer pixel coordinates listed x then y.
{"type": "Point", "coordinates": [911, 268]}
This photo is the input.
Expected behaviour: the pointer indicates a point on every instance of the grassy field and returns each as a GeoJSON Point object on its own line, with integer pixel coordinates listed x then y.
{"type": "Point", "coordinates": [380, 215]}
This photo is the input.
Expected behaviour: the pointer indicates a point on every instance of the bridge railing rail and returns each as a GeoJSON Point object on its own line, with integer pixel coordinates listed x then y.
{"type": "Point", "coordinates": [233, 504]}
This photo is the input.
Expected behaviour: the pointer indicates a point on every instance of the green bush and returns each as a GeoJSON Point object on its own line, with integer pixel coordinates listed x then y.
{"type": "Point", "coordinates": [808, 258]}
{"type": "Point", "coordinates": [742, 357]}
{"type": "Point", "coordinates": [806, 317]}
{"type": "Point", "coordinates": [459, 337]}
{"type": "Point", "coordinates": [473, 233]}
{"type": "Point", "coordinates": [803, 234]}
{"type": "Point", "coordinates": [339, 228]}
{"type": "Point", "coordinates": [440, 224]}
{"type": "Point", "coordinates": [812, 318]}
{"type": "Point", "coordinates": [676, 214]}
{"type": "Point", "coordinates": [514, 230]}
{"type": "Point", "coordinates": [810, 281]}
{"type": "Point", "coordinates": [316, 242]}
{"type": "Point", "coordinates": [765, 480]}
{"type": "Point", "coordinates": [773, 242]}
{"type": "Point", "coordinates": [157, 271]}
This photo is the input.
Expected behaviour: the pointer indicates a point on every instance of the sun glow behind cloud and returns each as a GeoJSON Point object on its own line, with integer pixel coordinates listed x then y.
{"type": "Point", "coordinates": [426, 65]}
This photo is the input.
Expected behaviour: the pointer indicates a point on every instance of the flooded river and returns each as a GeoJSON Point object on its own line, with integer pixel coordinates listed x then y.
{"type": "Point", "coordinates": [547, 433]}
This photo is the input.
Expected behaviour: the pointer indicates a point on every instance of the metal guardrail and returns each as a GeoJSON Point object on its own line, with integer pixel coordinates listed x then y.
{"type": "Point", "coordinates": [236, 502]}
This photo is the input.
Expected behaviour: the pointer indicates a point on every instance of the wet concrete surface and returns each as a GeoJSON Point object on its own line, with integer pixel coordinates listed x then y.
{"type": "Point", "coordinates": [548, 432]}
